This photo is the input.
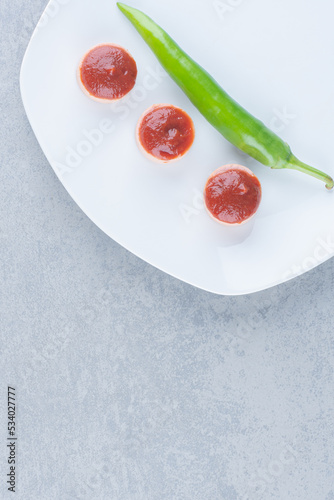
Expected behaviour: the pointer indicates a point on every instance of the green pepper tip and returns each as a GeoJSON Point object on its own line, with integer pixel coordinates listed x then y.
{"type": "Point", "coordinates": [125, 9]}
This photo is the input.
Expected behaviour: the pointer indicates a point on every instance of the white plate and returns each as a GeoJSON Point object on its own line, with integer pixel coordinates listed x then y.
{"type": "Point", "coordinates": [273, 57]}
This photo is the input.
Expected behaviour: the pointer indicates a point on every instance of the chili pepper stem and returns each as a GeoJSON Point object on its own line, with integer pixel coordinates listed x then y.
{"type": "Point", "coordinates": [295, 164]}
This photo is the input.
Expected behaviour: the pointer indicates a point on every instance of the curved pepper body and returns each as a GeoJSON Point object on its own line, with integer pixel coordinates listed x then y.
{"type": "Point", "coordinates": [236, 124]}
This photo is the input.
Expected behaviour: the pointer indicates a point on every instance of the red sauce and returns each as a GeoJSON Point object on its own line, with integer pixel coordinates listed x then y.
{"type": "Point", "coordinates": [165, 132]}
{"type": "Point", "coordinates": [232, 194]}
{"type": "Point", "coordinates": [108, 72]}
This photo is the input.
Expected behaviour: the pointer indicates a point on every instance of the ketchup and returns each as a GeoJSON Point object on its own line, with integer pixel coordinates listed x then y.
{"type": "Point", "coordinates": [232, 194]}
{"type": "Point", "coordinates": [107, 72]}
{"type": "Point", "coordinates": [165, 133]}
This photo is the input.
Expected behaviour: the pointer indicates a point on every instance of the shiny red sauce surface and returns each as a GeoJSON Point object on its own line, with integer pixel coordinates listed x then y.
{"type": "Point", "coordinates": [232, 196]}
{"type": "Point", "coordinates": [166, 132]}
{"type": "Point", "coordinates": [108, 72]}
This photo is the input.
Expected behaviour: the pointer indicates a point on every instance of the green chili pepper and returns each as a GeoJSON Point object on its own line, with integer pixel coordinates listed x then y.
{"type": "Point", "coordinates": [237, 125]}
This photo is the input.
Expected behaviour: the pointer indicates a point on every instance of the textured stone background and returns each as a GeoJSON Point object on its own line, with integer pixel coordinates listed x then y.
{"type": "Point", "coordinates": [132, 385]}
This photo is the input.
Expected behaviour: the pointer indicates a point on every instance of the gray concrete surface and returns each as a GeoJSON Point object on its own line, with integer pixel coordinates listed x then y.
{"type": "Point", "coordinates": [130, 384]}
